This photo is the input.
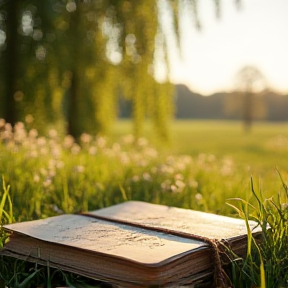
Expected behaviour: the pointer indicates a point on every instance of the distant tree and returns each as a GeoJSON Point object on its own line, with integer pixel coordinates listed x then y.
{"type": "Point", "coordinates": [249, 81]}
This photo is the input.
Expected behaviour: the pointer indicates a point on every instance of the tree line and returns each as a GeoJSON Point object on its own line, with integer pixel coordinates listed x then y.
{"type": "Point", "coordinates": [266, 105]}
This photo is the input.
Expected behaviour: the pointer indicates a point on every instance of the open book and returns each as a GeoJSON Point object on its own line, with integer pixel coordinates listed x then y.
{"type": "Point", "coordinates": [132, 244]}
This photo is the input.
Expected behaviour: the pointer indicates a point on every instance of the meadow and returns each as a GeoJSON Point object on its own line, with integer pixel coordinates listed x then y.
{"type": "Point", "coordinates": [202, 165]}
{"type": "Point", "coordinates": [243, 155]}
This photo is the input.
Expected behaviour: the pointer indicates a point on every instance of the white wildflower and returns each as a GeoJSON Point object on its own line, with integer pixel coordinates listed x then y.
{"type": "Point", "coordinates": [68, 141]}
{"type": "Point", "coordinates": [85, 138]}
{"type": "Point", "coordinates": [79, 168]}
{"type": "Point", "coordinates": [52, 133]}
{"type": "Point", "coordinates": [92, 150]}
{"type": "Point", "coordinates": [135, 178]}
{"type": "Point", "coordinates": [146, 176]}
{"type": "Point", "coordinates": [75, 149]}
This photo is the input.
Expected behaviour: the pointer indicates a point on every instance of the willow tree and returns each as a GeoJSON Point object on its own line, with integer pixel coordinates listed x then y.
{"type": "Point", "coordinates": [25, 74]}
{"type": "Point", "coordinates": [80, 56]}
{"type": "Point", "coordinates": [108, 52]}
{"type": "Point", "coordinates": [149, 98]}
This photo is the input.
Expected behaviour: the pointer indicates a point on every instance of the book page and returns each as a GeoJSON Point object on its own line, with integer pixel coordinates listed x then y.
{"type": "Point", "coordinates": [114, 239]}
{"type": "Point", "coordinates": [177, 219]}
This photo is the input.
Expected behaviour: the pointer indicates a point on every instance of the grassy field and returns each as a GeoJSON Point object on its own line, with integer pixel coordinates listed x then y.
{"type": "Point", "coordinates": [257, 153]}
{"type": "Point", "coordinates": [204, 164]}
{"type": "Point", "coordinates": [207, 161]}
{"type": "Point", "coordinates": [263, 147]}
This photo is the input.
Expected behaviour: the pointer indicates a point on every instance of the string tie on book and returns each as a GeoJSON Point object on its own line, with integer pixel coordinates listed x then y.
{"type": "Point", "coordinates": [221, 279]}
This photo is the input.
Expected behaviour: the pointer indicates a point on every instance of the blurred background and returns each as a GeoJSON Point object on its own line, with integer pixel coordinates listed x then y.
{"type": "Point", "coordinates": [80, 65]}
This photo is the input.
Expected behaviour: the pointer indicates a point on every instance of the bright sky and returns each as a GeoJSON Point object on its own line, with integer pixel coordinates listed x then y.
{"type": "Point", "coordinates": [254, 35]}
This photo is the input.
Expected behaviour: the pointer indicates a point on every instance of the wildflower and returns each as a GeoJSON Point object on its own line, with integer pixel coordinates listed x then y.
{"type": "Point", "coordinates": [33, 153]}
{"type": "Point", "coordinates": [68, 141]}
{"type": "Point", "coordinates": [165, 169]}
{"type": "Point", "coordinates": [36, 178]}
{"type": "Point", "coordinates": [135, 178]}
{"type": "Point", "coordinates": [227, 168]}
{"type": "Point", "coordinates": [92, 150]}
{"type": "Point", "coordinates": [79, 169]}
{"type": "Point", "coordinates": [128, 139]}
{"type": "Point", "coordinates": [166, 185]}
{"type": "Point", "coordinates": [186, 159]}
{"type": "Point", "coordinates": [198, 197]}
{"type": "Point", "coordinates": [179, 176]}
{"type": "Point", "coordinates": [142, 163]}
{"type": "Point", "coordinates": [101, 142]}
{"type": "Point", "coordinates": [174, 189]}
{"type": "Point", "coordinates": [47, 182]}
{"type": "Point", "coordinates": [43, 151]}
{"type": "Point", "coordinates": [180, 166]}
{"type": "Point", "coordinates": [51, 163]}
{"type": "Point", "coordinates": [124, 158]}
{"type": "Point", "coordinates": [29, 118]}
{"type": "Point", "coordinates": [85, 138]}
{"type": "Point", "coordinates": [116, 147]}
{"type": "Point", "coordinates": [52, 173]}
{"type": "Point", "coordinates": [19, 126]}
{"type": "Point", "coordinates": [52, 133]}
{"type": "Point", "coordinates": [56, 152]}
{"type": "Point", "coordinates": [150, 152]}
{"type": "Point", "coordinates": [41, 141]}
{"type": "Point", "coordinates": [60, 164]}
{"type": "Point", "coordinates": [142, 141]}
{"type": "Point", "coordinates": [33, 133]}
{"type": "Point", "coordinates": [170, 160]}
{"type": "Point", "coordinates": [75, 149]}
{"type": "Point", "coordinates": [211, 158]}
{"type": "Point", "coordinates": [2, 123]}
{"type": "Point", "coordinates": [146, 176]}
{"type": "Point", "coordinates": [180, 184]}
{"type": "Point", "coordinates": [19, 136]}
{"type": "Point", "coordinates": [193, 183]}
{"type": "Point", "coordinates": [43, 171]}
{"type": "Point", "coordinates": [108, 152]}
{"type": "Point", "coordinates": [8, 127]}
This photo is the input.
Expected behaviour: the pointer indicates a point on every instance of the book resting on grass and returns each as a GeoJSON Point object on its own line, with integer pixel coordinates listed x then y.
{"type": "Point", "coordinates": [132, 244]}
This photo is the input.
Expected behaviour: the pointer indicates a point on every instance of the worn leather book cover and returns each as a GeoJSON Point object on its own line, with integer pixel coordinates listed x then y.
{"type": "Point", "coordinates": [132, 244]}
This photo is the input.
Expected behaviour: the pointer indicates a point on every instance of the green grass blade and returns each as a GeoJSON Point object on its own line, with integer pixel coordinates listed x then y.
{"type": "Point", "coordinates": [3, 200]}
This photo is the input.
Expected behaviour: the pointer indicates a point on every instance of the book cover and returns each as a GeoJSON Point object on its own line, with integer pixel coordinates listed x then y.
{"type": "Point", "coordinates": [132, 244]}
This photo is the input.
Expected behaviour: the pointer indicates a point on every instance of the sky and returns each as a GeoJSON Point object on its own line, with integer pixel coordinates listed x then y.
{"type": "Point", "coordinates": [254, 35]}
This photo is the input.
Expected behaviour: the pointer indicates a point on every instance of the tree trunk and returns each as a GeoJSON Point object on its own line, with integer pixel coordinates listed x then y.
{"type": "Point", "coordinates": [73, 113]}
{"type": "Point", "coordinates": [74, 116]}
{"type": "Point", "coordinates": [247, 111]}
{"type": "Point", "coordinates": [10, 56]}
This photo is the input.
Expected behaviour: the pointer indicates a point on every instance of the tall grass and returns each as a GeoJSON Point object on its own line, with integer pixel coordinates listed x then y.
{"type": "Point", "coordinates": [266, 262]}
{"type": "Point", "coordinates": [5, 216]}
{"type": "Point", "coordinates": [53, 174]}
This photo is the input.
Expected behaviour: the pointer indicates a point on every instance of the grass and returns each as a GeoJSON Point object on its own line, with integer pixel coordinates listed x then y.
{"type": "Point", "coordinates": [266, 262]}
{"type": "Point", "coordinates": [204, 164]}
{"type": "Point", "coordinates": [226, 138]}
